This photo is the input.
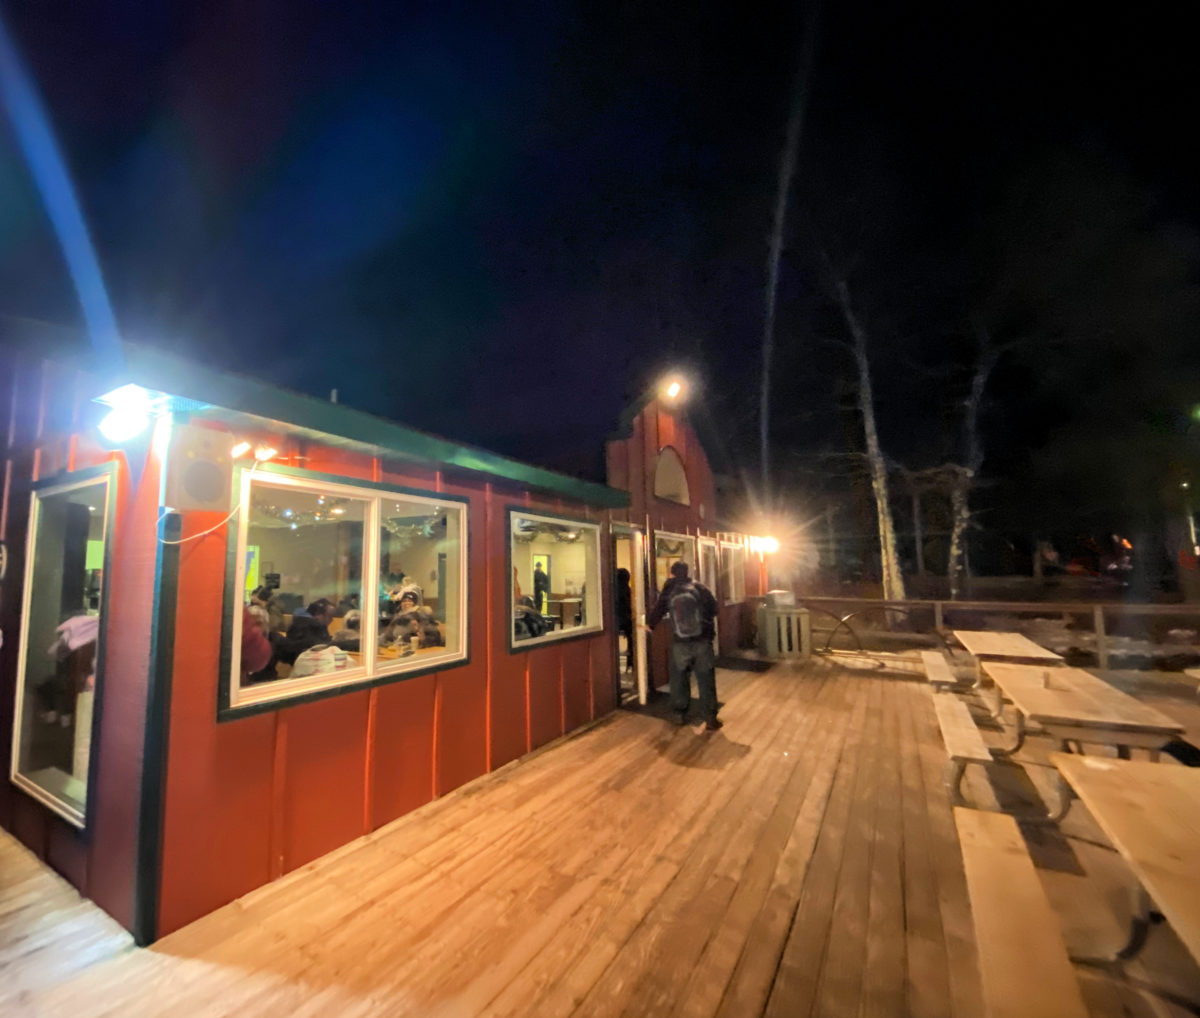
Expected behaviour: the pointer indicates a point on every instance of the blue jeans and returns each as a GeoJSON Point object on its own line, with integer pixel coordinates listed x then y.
{"type": "Point", "coordinates": [688, 657]}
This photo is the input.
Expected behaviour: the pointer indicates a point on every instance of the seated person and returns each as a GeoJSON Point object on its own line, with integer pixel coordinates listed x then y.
{"type": "Point", "coordinates": [412, 619]}
{"type": "Point", "coordinates": [258, 656]}
{"type": "Point", "coordinates": [349, 637]}
{"type": "Point", "coordinates": [307, 631]}
{"type": "Point", "coordinates": [528, 622]}
{"type": "Point", "coordinates": [264, 597]}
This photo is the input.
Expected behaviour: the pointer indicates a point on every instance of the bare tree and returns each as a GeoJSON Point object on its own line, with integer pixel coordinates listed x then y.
{"type": "Point", "coordinates": [889, 559]}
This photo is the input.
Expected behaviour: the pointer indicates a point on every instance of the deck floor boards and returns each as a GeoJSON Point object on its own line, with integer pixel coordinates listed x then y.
{"type": "Point", "coordinates": [802, 861]}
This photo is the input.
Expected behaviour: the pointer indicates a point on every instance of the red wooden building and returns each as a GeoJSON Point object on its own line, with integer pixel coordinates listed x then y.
{"type": "Point", "coordinates": [168, 529]}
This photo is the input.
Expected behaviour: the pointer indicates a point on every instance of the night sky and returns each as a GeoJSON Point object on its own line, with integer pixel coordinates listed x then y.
{"type": "Point", "coordinates": [499, 222]}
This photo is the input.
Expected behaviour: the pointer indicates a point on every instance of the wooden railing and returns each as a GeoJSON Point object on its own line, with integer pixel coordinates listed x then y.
{"type": "Point", "coordinates": [1098, 611]}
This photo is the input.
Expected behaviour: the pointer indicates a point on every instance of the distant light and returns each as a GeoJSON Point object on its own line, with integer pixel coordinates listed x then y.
{"type": "Point", "coordinates": [338, 511]}
{"type": "Point", "coordinates": [91, 508]}
{"type": "Point", "coordinates": [1185, 485]}
{"type": "Point", "coordinates": [240, 449]}
{"type": "Point", "coordinates": [265, 452]}
{"type": "Point", "coordinates": [1125, 543]}
{"type": "Point", "coordinates": [287, 512]}
{"type": "Point", "coordinates": [293, 525]}
{"type": "Point", "coordinates": [769, 545]}
{"type": "Point", "coordinates": [674, 389]}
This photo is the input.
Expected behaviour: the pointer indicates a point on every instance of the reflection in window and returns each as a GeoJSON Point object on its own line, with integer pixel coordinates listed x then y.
{"type": "Point", "coordinates": [709, 565]}
{"type": "Point", "coordinates": [733, 573]}
{"type": "Point", "coordinates": [420, 587]}
{"type": "Point", "coordinates": [338, 598]}
{"type": "Point", "coordinates": [669, 549]}
{"type": "Point", "coordinates": [670, 478]}
{"type": "Point", "coordinates": [556, 577]}
{"type": "Point", "coordinates": [64, 583]}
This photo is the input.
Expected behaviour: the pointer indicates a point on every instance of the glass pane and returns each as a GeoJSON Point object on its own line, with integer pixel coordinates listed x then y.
{"type": "Point", "coordinates": [708, 566]}
{"type": "Point", "coordinates": [732, 573]}
{"type": "Point", "coordinates": [305, 547]}
{"type": "Point", "coordinates": [65, 583]}
{"type": "Point", "coordinates": [667, 551]}
{"type": "Point", "coordinates": [419, 604]}
{"type": "Point", "coordinates": [556, 577]}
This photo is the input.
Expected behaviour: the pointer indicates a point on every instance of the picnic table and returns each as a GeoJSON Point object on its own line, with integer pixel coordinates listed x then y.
{"type": "Point", "coordinates": [985, 645]}
{"type": "Point", "coordinates": [1151, 814]}
{"type": "Point", "coordinates": [1076, 706]}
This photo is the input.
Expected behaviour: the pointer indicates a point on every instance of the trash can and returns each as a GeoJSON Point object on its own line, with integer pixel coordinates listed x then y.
{"type": "Point", "coordinates": [784, 631]}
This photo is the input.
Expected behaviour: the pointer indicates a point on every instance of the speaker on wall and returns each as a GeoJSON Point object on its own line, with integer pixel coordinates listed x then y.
{"type": "Point", "coordinates": [199, 469]}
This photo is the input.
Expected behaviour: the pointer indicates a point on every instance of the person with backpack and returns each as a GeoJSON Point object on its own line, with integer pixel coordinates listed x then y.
{"type": "Point", "coordinates": [693, 611]}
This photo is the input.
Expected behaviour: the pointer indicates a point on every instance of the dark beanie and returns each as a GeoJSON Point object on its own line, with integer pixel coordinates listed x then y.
{"type": "Point", "coordinates": [680, 570]}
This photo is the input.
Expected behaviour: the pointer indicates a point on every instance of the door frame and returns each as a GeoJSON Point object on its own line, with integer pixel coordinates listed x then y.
{"type": "Point", "coordinates": [637, 584]}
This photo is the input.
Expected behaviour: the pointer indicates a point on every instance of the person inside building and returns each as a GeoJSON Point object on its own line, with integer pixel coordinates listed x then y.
{"type": "Point", "coordinates": [307, 630]}
{"type": "Point", "coordinates": [624, 605]}
{"type": "Point", "coordinates": [541, 587]}
{"type": "Point", "coordinates": [693, 612]}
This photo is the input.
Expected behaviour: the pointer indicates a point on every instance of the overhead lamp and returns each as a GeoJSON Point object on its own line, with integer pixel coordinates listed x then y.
{"type": "Point", "coordinates": [672, 389]}
{"type": "Point", "coordinates": [240, 449]}
{"type": "Point", "coordinates": [265, 452]}
{"type": "Point", "coordinates": [130, 409]}
{"type": "Point", "coordinates": [769, 544]}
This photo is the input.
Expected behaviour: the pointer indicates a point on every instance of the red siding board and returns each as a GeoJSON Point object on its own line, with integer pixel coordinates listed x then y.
{"type": "Point", "coordinates": [402, 763]}
{"type": "Point", "coordinates": [576, 682]}
{"type": "Point", "coordinates": [545, 695]}
{"type": "Point", "coordinates": [324, 783]}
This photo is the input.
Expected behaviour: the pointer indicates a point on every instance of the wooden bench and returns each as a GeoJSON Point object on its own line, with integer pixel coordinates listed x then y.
{"type": "Point", "coordinates": [1023, 961]}
{"type": "Point", "coordinates": [964, 744]}
{"type": "Point", "coordinates": [938, 670]}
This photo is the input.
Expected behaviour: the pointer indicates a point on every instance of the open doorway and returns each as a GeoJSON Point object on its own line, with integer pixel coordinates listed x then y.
{"type": "Point", "coordinates": [629, 610]}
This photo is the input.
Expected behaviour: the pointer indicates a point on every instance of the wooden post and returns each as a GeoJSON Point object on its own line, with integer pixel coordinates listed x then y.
{"type": "Point", "coordinates": [1101, 643]}
{"type": "Point", "coordinates": [938, 622]}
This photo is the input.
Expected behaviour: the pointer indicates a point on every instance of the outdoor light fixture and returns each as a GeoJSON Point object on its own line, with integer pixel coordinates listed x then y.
{"type": "Point", "coordinates": [130, 409]}
{"type": "Point", "coordinates": [265, 452]}
{"type": "Point", "coordinates": [769, 545]}
{"type": "Point", "coordinates": [240, 449]}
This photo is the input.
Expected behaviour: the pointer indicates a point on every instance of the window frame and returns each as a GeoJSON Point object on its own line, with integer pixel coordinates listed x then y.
{"type": "Point", "coordinates": [695, 563]}
{"type": "Point", "coordinates": [516, 646]}
{"type": "Point", "coordinates": [57, 485]}
{"type": "Point", "coordinates": [727, 595]}
{"type": "Point", "coordinates": [232, 701]}
{"type": "Point", "coordinates": [714, 544]}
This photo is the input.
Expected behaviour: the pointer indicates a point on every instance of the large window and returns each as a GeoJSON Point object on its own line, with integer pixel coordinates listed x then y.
{"type": "Point", "coordinates": [710, 566]}
{"type": "Point", "coordinates": [669, 549]}
{"type": "Point", "coordinates": [339, 583]}
{"type": "Point", "coordinates": [60, 639]}
{"type": "Point", "coordinates": [733, 572]}
{"type": "Point", "coordinates": [555, 578]}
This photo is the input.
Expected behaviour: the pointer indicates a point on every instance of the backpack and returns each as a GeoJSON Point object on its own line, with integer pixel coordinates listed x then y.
{"type": "Point", "coordinates": [686, 617]}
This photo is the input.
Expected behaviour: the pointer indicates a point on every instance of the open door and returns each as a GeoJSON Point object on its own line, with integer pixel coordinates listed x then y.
{"type": "Point", "coordinates": [629, 567]}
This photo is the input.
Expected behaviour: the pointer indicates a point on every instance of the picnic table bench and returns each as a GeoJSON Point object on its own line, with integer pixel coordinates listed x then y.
{"type": "Point", "coordinates": [937, 670]}
{"type": "Point", "coordinates": [1023, 962]}
{"type": "Point", "coordinates": [964, 744]}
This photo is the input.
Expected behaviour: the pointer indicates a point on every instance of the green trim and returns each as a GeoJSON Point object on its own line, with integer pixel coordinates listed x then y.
{"type": "Point", "coordinates": [152, 807]}
{"type": "Point", "coordinates": [344, 426]}
{"type": "Point", "coordinates": [106, 470]}
{"type": "Point", "coordinates": [232, 600]}
{"type": "Point", "coordinates": [525, 646]}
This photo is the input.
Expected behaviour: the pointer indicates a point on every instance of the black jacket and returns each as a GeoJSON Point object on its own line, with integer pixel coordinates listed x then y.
{"type": "Point", "coordinates": [304, 632]}
{"type": "Point", "coordinates": [708, 607]}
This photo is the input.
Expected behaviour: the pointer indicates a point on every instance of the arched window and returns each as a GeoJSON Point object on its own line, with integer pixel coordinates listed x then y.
{"type": "Point", "coordinates": [670, 479]}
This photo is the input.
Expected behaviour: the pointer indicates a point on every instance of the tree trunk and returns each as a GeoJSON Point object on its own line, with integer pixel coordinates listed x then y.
{"type": "Point", "coordinates": [960, 496]}
{"type": "Point", "coordinates": [918, 536]}
{"type": "Point", "coordinates": [889, 560]}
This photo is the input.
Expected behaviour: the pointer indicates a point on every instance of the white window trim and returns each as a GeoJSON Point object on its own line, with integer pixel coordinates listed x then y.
{"type": "Point", "coordinates": [562, 634]}
{"type": "Point", "coordinates": [737, 546]}
{"type": "Point", "coordinates": [372, 668]}
{"type": "Point", "coordinates": [679, 537]}
{"type": "Point", "coordinates": [47, 799]}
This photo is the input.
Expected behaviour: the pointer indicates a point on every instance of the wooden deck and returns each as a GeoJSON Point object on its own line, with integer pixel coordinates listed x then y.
{"type": "Point", "coordinates": [802, 861]}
